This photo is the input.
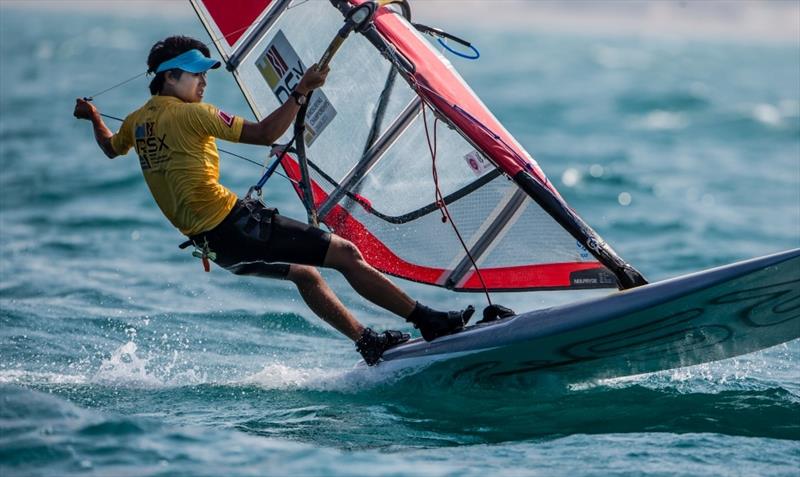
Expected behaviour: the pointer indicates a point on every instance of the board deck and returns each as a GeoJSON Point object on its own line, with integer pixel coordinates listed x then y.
{"type": "Point", "coordinates": [688, 320]}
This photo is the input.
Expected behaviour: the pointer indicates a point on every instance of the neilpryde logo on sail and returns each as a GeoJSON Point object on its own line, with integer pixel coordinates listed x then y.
{"type": "Point", "coordinates": [281, 67]}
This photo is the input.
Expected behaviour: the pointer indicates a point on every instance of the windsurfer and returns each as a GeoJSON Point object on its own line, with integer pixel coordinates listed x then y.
{"type": "Point", "coordinates": [174, 136]}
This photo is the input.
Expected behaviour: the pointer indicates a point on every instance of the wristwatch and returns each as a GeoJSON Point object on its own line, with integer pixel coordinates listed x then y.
{"type": "Point", "coordinates": [300, 99]}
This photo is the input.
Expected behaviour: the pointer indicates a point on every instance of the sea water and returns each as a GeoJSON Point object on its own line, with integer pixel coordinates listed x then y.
{"type": "Point", "coordinates": [120, 357]}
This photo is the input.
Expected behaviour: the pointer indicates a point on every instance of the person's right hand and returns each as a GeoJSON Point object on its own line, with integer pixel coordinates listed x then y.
{"type": "Point", "coordinates": [84, 109]}
{"type": "Point", "coordinates": [312, 79]}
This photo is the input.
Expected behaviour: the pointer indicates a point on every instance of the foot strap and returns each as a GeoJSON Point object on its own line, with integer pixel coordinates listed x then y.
{"type": "Point", "coordinates": [434, 324]}
{"type": "Point", "coordinates": [494, 313]}
{"type": "Point", "coordinates": [371, 345]}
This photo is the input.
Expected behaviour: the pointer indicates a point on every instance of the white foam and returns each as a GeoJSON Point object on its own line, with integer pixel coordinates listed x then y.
{"type": "Point", "coordinates": [741, 373]}
{"type": "Point", "coordinates": [279, 376]}
{"type": "Point", "coordinates": [19, 376]}
{"type": "Point", "coordinates": [125, 367]}
{"type": "Point", "coordinates": [128, 366]}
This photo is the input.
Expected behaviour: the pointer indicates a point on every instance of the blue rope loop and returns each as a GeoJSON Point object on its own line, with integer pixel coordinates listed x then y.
{"type": "Point", "coordinates": [475, 53]}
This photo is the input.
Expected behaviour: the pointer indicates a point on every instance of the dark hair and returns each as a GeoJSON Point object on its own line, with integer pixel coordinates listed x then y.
{"type": "Point", "coordinates": [168, 49]}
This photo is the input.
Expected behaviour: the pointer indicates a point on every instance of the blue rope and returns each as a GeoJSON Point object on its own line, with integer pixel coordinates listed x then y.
{"type": "Point", "coordinates": [475, 53]}
{"type": "Point", "coordinates": [270, 171]}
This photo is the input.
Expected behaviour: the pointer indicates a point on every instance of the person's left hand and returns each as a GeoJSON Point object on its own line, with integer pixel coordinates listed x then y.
{"type": "Point", "coordinates": [84, 109]}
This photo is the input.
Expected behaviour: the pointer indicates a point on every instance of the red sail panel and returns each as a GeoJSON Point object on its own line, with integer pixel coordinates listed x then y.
{"type": "Point", "coordinates": [234, 17]}
{"type": "Point", "coordinates": [526, 277]}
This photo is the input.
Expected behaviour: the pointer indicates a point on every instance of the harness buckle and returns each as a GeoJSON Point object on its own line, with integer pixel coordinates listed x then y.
{"type": "Point", "coordinates": [257, 190]}
{"type": "Point", "coordinates": [204, 253]}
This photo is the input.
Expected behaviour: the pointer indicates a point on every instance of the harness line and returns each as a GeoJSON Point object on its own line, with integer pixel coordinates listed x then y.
{"type": "Point", "coordinates": [441, 203]}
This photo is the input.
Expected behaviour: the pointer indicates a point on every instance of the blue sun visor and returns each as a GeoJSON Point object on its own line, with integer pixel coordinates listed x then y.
{"type": "Point", "coordinates": [191, 61]}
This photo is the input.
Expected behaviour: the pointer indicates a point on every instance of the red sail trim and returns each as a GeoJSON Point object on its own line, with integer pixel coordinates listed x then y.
{"type": "Point", "coordinates": [550, 275]}
{"type": "Point", "coordinates": [444, 89]}
{"type": "Point", "coordinates": [374, 251]}
{"type": "Point", "coordinates": [377, 254]}
{"type": "Point", "coordinates": [234, 17]}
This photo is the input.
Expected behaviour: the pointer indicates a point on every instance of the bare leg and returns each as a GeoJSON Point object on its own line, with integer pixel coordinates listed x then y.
{"type": "Point", "coordinates": [323, 302]}
{"type": "Point", "coordinates": [368, 282]}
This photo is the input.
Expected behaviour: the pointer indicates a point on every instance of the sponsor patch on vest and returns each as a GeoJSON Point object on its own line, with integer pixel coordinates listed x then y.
{"type": "Point", "coordinates": [226, 118]}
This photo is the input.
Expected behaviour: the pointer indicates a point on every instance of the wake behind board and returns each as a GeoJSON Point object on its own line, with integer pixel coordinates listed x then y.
{"type": "Point", "coordinates": [692, 319]}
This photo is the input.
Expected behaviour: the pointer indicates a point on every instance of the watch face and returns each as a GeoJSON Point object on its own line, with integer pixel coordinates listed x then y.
{"type": "Point", "coordinates": [301, 100]}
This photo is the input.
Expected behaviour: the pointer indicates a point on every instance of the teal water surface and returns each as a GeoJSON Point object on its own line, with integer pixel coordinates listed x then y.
{"type": "Point", "coordinates": [120, 357]}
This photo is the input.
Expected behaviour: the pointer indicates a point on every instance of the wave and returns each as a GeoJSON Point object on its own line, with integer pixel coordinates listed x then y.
{"type": "Point", "coordinates": [288, 322]}
{"type": "Point", "coordinates": [44, 434]}
{"type": "Point", "coordinates": [234, 430]}
{"type": "Point", "coordinates": [308, 401]}
{"type": "Point", "coordinates": [470, 415]}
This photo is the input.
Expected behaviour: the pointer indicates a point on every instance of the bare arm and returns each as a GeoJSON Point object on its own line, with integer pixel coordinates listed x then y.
{"type": "Point", "coordinates": [269, 129]}
{"type": "Point", "coordinates": [86, 110]}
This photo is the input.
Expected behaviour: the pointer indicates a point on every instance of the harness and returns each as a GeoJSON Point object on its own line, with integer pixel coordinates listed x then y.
{"type": "Point", "coordinates": [259, 215]}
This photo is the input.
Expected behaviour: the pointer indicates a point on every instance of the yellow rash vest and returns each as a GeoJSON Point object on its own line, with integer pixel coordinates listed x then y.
{"type": "Point", "coordinates": [175, 142]}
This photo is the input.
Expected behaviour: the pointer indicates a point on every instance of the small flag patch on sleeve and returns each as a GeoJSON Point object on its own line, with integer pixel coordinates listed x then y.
{"type": "Point", "coordinates": [226, 118]}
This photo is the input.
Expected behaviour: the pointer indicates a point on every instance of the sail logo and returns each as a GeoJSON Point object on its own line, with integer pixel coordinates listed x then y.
{"type": "Point", "coordinates": [477, 163]}
{"type": "Point", "coordinates": [282, 69]}
{"type": "Point", "coordinates": [582, 252]}
{"type": "Point", "coordinates": [274, 68]}
{"type": "Point", "coordinates": [274, 65]}
{"type": "Point", "coordinates": [276, 60]}
{"type": "Point", "coordinates": [595, 245]}
{"type": "Point", "coordinates": [592, 278]}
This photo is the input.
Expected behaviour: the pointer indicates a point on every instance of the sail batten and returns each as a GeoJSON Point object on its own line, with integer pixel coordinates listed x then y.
{"type": "Point", "coordinates": [499, 222]}
{"type": "Point", "coordinates": [380, 110]}
{"type": "Point", "coordinates": [367, 142]}
{"type": "Point", "coordinates": [373, 154]}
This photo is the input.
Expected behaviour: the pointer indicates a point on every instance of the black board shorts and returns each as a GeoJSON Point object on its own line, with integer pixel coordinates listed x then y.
{"type": "Point", "coordinates": [256, 240]}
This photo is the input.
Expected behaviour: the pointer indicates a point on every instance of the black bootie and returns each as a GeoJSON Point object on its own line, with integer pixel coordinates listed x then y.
{"type": "Point", "coordinates": [433, 324]}
{"type": "Point", "coordinates": [371, 345]}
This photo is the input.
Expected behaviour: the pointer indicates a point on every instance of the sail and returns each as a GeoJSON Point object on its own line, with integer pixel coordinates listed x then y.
{"type": "Point", "coordinates": [392, 105]}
